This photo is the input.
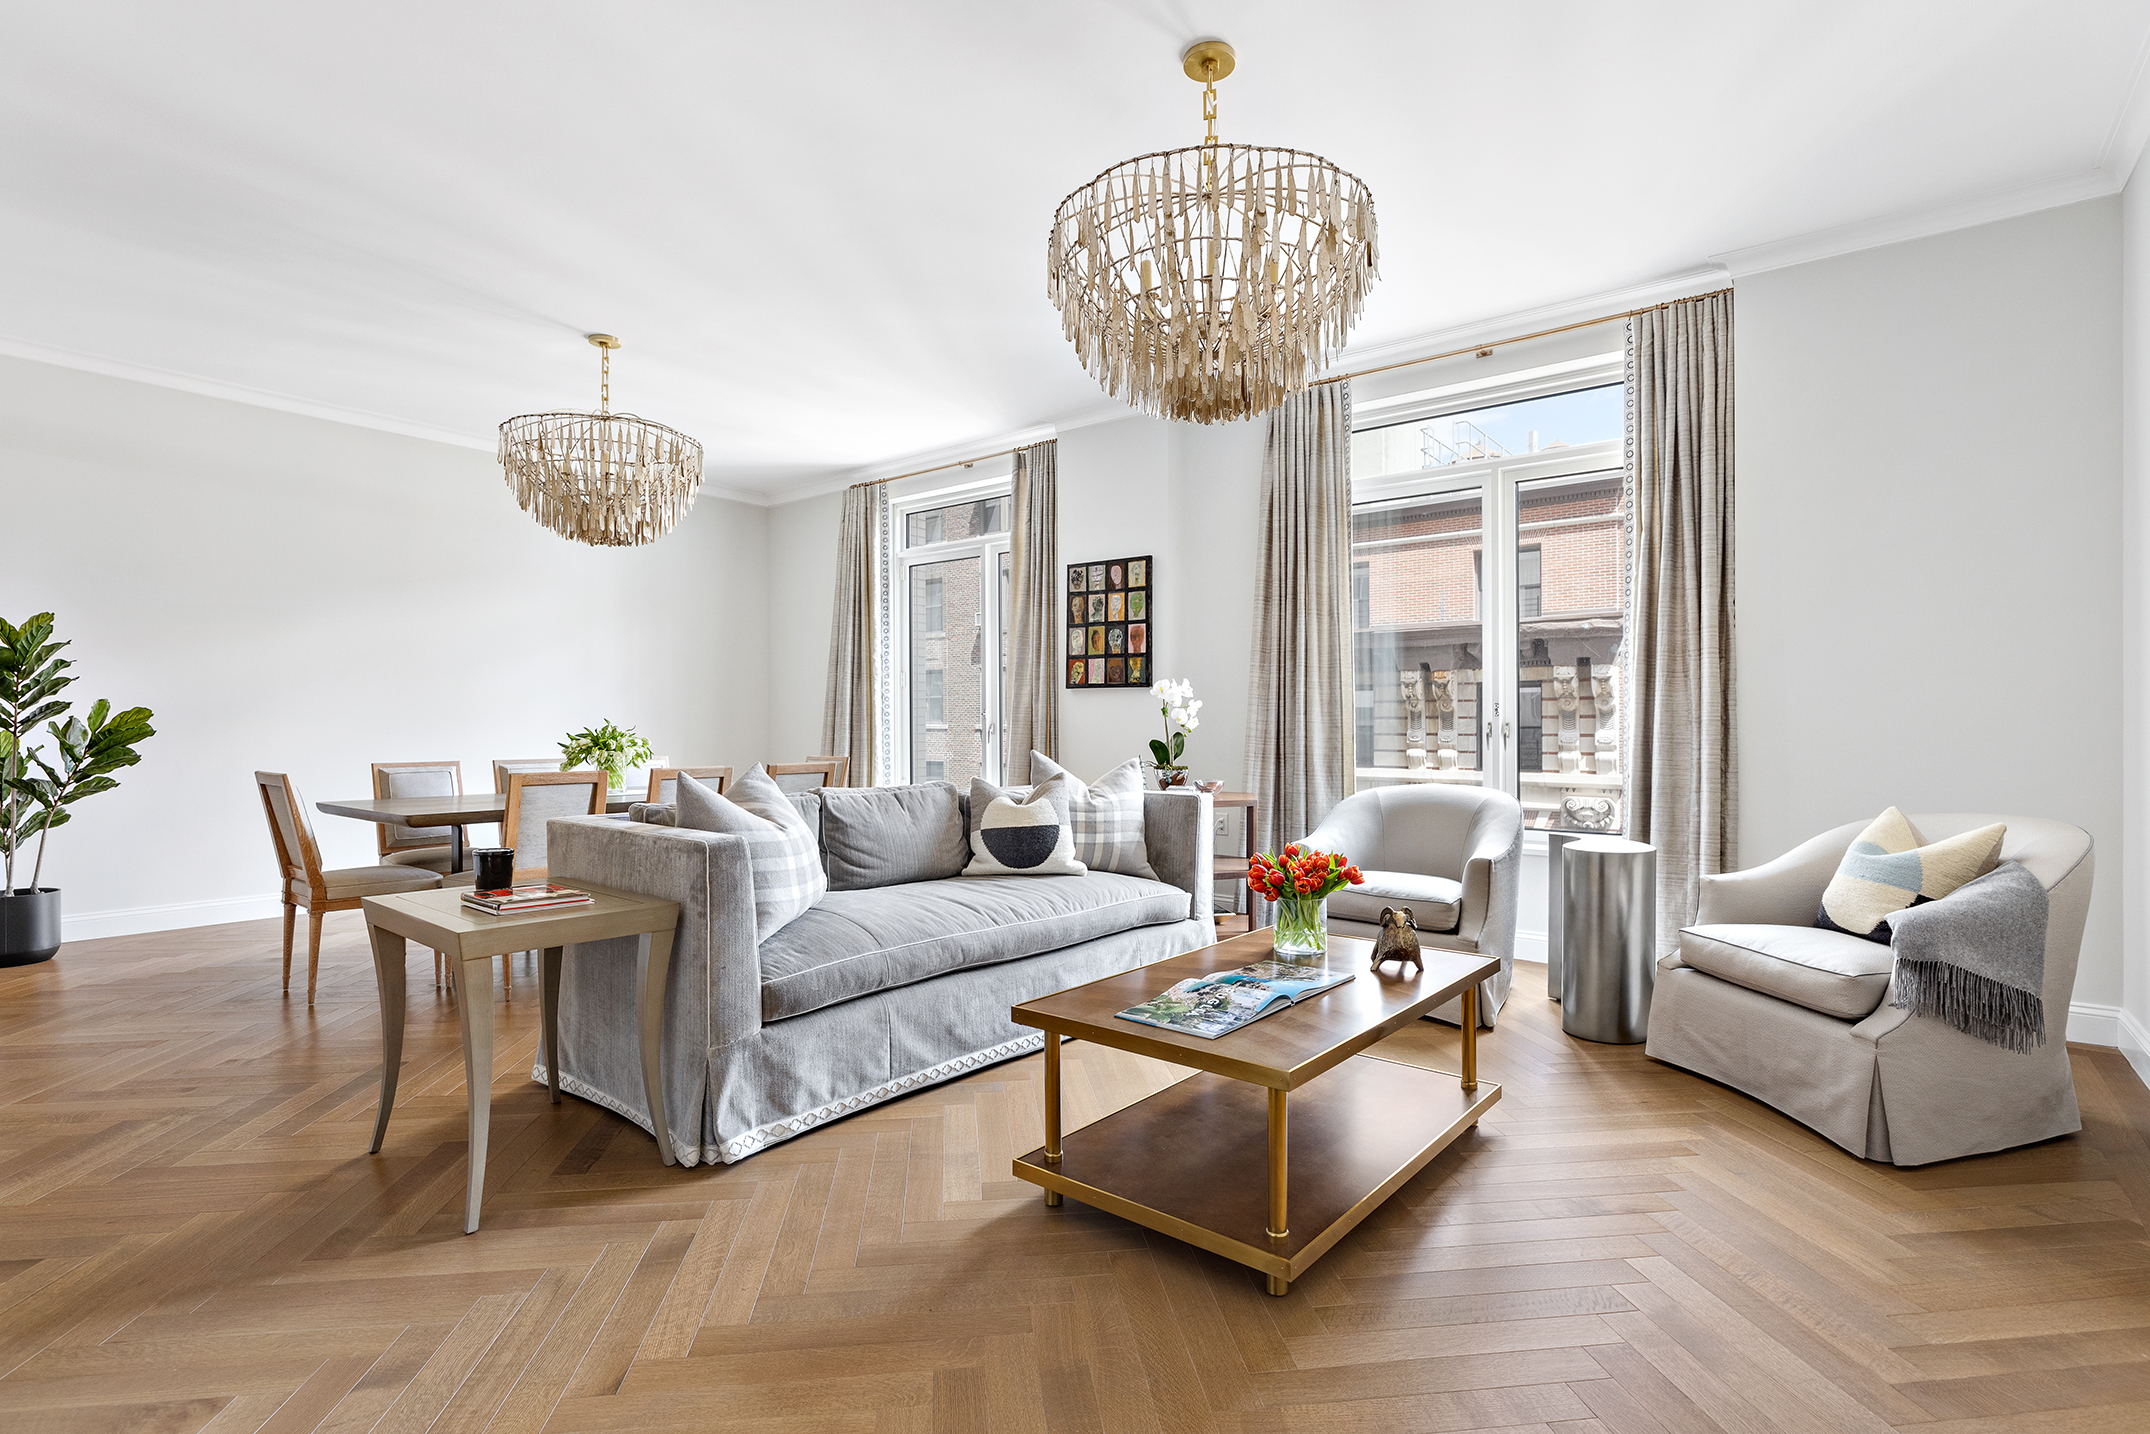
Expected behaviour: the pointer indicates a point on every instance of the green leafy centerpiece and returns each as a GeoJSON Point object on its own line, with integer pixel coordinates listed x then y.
{"type": "Point", "coordinates": [611, 749]}
{"type": "Point", "coordinates": [36, 790]}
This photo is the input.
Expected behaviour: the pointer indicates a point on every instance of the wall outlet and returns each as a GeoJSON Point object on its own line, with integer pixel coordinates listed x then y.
{"type": "Point", "coordinates": [1220, 826]}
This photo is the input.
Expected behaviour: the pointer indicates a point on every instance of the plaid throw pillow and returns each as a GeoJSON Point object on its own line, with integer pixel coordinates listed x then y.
{"type": "Point", "coordinates": [1107, 816]}
{"type": "Point", "coordinates": [788, 876]}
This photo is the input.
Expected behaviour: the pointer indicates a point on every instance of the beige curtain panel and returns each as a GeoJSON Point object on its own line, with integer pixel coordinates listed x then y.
{"type": "Point", "coordinates": [1299, 712]}
{"type": "Point", "coordinates": [848, 719]}
{"type": "Point", "coordinates": [1033, 717]}
{"type": "Point", "coordinates": [1683, 772]}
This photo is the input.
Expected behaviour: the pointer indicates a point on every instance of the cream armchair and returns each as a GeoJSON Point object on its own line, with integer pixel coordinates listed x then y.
{"type": "Point", "coordinates": [1761, 999]}
{"type": "Point", "coordinates": [1452, 854]}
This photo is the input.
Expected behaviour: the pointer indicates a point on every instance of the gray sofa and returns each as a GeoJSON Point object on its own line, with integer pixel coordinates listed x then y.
{"type": "Point", "coordinates": [875, 991]}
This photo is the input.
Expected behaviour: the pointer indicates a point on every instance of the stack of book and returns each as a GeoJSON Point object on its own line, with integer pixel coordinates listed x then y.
{"type": "Point", "coordinates": [514, 900]}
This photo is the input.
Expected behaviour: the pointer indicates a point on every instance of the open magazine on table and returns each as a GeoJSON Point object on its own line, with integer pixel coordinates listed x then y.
{"type": "Point", "coordinates": [1223, 1001]}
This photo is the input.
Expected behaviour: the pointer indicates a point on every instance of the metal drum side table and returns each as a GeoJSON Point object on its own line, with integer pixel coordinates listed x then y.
{"type": "Point", "coordinates": [1608, 933]}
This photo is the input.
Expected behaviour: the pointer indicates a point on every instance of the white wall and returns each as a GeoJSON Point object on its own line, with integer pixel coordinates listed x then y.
{"type": "Point", "coordinates": [298, 595]}
{"type": "Point", "coordinates": [2134, 1024]}
{"type": "Point", "coordinates": [1929, 540]}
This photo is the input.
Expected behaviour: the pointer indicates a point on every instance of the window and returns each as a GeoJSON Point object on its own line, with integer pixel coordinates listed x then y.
{"type": "Point", "coordinates": [1489, 558]}
{"type": "Point", "coordinates": [953, 582]}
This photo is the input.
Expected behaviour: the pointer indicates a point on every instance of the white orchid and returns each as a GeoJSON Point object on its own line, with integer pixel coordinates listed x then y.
{"type": "Point", "coordinates": [1178, 704]}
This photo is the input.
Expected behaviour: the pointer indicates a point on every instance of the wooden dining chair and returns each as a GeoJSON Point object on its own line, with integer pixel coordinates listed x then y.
{"type": "Point", "coordinates": [806, 776]}
{"type": "Point", "coordinates": [304, 883]}
{"type": "Point", "coordinates": [535, 798]}
{"type": "Point", "coordinates": [416, 846]}
{"type": "Point", "coordinates": [664, 781]}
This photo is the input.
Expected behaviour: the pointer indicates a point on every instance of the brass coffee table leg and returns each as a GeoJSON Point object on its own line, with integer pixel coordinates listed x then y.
{"type": "Point", "coordinates": [1279, 1178]}
{"type": "Point", "coordinates": [1052, 1107]}
{"type": "Point", "coordinates": [1470, 1039]}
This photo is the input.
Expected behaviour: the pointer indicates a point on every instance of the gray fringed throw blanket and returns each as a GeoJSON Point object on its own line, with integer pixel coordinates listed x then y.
{"type": "Point", "coordinates": [1976, 958]}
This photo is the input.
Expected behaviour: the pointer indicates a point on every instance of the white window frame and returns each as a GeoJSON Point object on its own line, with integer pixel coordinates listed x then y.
{"type": "Point", "coordinates": [1497, 481]}
{"type": "Point", "coordinates": [903, 557]}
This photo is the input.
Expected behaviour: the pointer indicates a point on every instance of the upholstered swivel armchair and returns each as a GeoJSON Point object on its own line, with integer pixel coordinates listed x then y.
{"type": "Point", "coordinates": [1796, 1016]}
{"type": "Point", "coordinates": [1452, 854]}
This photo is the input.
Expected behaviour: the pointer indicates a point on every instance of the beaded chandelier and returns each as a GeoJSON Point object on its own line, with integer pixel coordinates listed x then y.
{"type": "Point", "coordinates": [611, 480]}
{"type": "Point", "coordinates": [1208, 283]}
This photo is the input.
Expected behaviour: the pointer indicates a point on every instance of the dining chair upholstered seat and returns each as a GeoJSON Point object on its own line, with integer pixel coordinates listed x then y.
{"type": "Point", "coordinates": [306, 883]}
{"type": "Point", "coordinates": [426, 858]}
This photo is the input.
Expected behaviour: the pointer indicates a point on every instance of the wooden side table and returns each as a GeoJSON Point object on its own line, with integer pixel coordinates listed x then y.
{"type": "Point", "coordinates": [472, 939]}
{"type": "Point", "coordinates": [1233, 870]}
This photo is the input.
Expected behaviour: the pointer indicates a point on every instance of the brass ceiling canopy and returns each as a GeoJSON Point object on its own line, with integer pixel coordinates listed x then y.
{"type": "Point", "coordinates": [1208, 283]}
{"type": "Point", "coordinates": [611, 480]}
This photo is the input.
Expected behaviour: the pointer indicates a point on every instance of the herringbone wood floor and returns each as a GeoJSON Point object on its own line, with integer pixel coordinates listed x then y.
{"type": "Point", "coordinates": [192, 1237]}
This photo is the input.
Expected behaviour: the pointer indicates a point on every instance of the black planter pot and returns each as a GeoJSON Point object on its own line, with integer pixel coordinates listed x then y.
{"type": "Point", "coordinates": [29, 925]}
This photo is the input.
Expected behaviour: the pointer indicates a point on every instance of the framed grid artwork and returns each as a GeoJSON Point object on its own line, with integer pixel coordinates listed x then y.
{"type": "Point", "coordinates": [1110, 608]}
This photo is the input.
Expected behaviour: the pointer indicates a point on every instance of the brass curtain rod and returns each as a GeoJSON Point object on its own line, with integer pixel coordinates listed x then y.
{"type": "Point", "coordinates": [1481, 349]}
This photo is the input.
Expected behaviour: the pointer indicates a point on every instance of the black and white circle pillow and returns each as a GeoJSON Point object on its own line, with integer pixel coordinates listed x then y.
{"type": "Point", "coordinates": [1028, 837]}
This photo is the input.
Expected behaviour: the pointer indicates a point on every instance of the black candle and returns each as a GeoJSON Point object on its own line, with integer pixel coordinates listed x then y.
{"type": "Point", "coordinates": [496, 867]}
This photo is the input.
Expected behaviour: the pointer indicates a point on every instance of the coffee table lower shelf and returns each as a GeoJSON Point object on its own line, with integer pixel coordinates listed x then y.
{"type": "Point", "coordinates": [1192, 1161]}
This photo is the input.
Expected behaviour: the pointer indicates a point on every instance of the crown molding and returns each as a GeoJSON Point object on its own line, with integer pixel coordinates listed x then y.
{"type": "Point", "coordinates": [949, 454]}
{"type": "Point", "coordinates": [1504, 327]}
{"type": "Point", "coordinates": [1919, 223]}
{"type": "Point", "coordinates": [240, 393]}
{"type": "Point", "coordinates": [290, 403]}
{"type": "Point", "coordinates": [2125, 141]}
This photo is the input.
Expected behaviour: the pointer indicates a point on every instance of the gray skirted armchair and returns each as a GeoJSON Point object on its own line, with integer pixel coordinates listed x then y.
{"type": "Point", "coordinates": [1797, 1016]}
{"type": "Point", "coordinates": [1452, 854]}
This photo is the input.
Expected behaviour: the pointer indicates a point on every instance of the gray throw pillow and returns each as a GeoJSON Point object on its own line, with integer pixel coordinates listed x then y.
{"type": "Point", "coordinates": [890, 836]}
{"type": "Point", "coordinates": [780, 846]}
{"type": "Point", "coordinates": [1028, 837]}
{"type": "Point", "coordinates": [1107, 815]}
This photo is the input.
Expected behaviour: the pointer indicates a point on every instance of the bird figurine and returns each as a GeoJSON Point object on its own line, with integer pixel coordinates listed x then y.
{"type": "Point", "coordinates": [1399, 938]}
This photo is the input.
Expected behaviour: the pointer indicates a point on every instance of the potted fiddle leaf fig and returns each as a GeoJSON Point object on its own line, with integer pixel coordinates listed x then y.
{"type": "Point", "coordinates": [607, 747]}
{"type": "Point", "coordinates": [36, 790]}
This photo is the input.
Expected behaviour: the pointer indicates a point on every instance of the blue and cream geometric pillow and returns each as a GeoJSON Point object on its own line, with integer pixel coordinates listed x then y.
{"type": "Point", "coordinates": [1891, 867]}
{"type": "Point", "coordinates": [1031, 837]}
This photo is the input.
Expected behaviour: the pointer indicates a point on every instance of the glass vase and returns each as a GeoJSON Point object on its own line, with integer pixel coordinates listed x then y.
{"type": "Point", "coordinates": [1302, 927]}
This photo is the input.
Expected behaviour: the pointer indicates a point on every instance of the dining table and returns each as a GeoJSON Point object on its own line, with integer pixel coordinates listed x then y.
{"type": "Point", "coordinates": [475, 809]}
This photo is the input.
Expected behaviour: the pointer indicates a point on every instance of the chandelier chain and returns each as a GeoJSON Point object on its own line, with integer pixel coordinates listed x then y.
{"type": "Point", "coordinates": [604, 381]}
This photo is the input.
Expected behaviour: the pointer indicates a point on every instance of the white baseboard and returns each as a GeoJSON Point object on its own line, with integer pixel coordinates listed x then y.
{"type": "Point", "coordinates": [175, 916]}
{"type": "Point", "coordinates": [2135, 1044]}
{"type": "Point", "coordinates": [2093, 1025]}
{"type": "Point", "coordinates": [1530, 946]}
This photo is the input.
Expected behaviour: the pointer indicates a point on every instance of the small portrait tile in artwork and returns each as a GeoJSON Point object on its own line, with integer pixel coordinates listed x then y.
{"type": "Point", "coordinates": [1077, 606]}
{"type": "Point", "coordinates": [1115, 672]}
{"type": "Point", "coordinates": [1097, 642]}
{"type": "Point", "coordinates": [1076, 668]}
{"type": "Point", "coordinates": [1076, 573]}
{"type": "Point", "coordinates": [1138, 605]}
{"type": "Point", "coordinates": [1116, 576]}
{"type": "Point", "coordinates": [1116, 607]}
{"type": "Point", "coordinates": [1116, 640]}
{"type": "Point", "coordinates": [1076, 641]}
{"type": "Point", "coordinates": [1138, 672]}
{"type": "Point", "coordinates": [1097, 577]}
{"type": "Point", "coordinates": [1097, 672]}
{"type": "Point", "coordinates": [1138, 573]}
{"type": "Point", "coordinates": [1097, 607]}
{"type": "Point", "coordinates": [1138, 637]}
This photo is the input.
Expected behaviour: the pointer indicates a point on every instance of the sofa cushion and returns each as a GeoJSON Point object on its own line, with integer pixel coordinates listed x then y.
{"type": "Point", "coordinates": [1026, 836]}
{"type": "Point", "coordinates": [666, 814]}
{"type": "Point", "coordinates": [1832, 972]}
{"type": "Point", "coordinates": [788, 875]}
{"type": "Point", "coordinates": [1107, 816]}
{"type": "Point", "coordinates": [1436, 902]}
{"type": "Point", "coordinates": [890, 836]}
{"type": "Point", "coordinates": [853, 943]}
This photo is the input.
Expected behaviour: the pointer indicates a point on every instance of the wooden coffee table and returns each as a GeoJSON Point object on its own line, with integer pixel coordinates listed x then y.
{"type": "Point", "coordinates": [1187, 1163]}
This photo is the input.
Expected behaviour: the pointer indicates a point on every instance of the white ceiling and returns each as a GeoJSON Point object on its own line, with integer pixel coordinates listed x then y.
{"type": "Point", "coordinates": [819, 227]}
